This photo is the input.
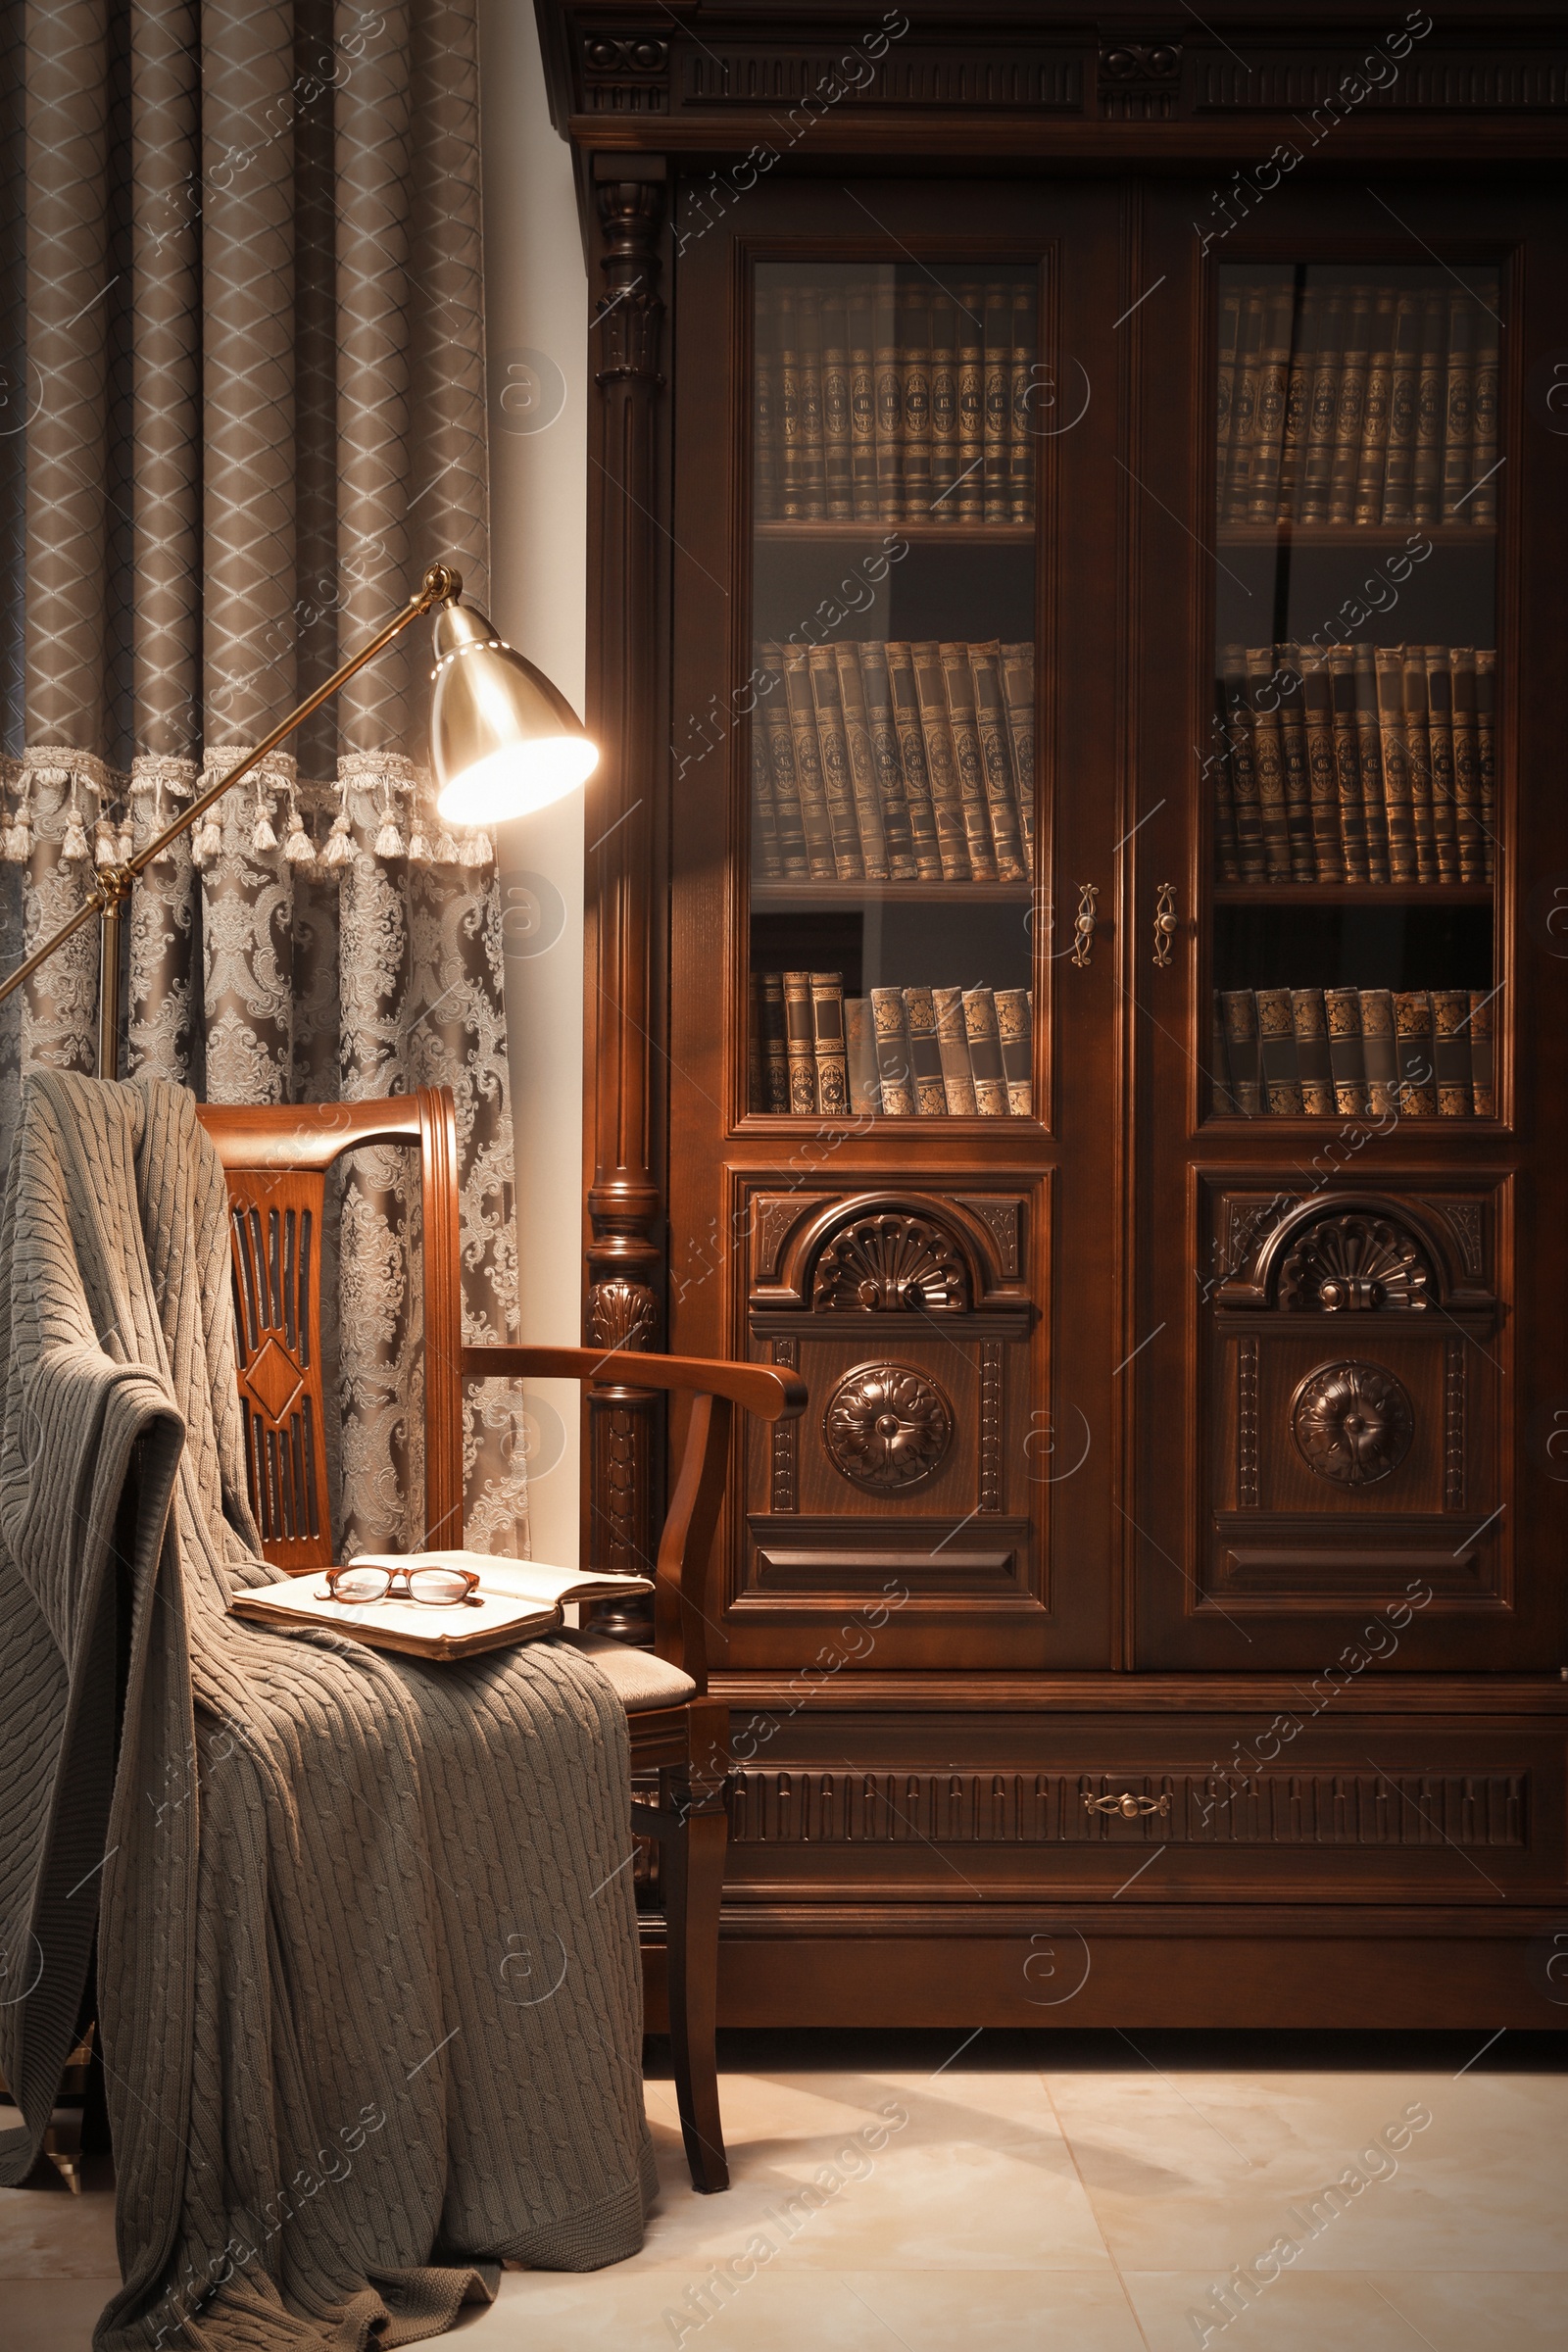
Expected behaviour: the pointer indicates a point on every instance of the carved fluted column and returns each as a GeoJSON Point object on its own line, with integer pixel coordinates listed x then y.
{"type": "Point", "coordinates": [625, 1256]}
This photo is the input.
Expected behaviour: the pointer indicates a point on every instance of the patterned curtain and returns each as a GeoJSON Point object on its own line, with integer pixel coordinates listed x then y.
{"type": "Point", "coordinates": [241, 407]}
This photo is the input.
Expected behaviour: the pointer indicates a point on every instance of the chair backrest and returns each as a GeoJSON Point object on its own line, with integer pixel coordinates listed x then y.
{"type": "Point", "coordinates": [275, 1158]}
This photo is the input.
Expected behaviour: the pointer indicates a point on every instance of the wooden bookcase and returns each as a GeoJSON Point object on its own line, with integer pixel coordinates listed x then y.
{"type": "Point", "coordinates": [1158, 1615]}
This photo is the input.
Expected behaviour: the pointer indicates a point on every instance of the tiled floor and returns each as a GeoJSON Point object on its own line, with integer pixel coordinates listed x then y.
{"type": "Point", "coordinates": [1089, 2193]}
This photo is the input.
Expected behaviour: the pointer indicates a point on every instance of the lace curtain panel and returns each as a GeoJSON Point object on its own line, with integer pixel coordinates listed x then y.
{"type": "Point", "coordinates": [241, 407]}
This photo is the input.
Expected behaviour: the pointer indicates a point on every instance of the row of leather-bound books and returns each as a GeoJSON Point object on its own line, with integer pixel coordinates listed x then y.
{"type": "Point", "coordinates": [1368, 405]}
{"type": "Point", "coordinates": [1356, 764]}
{"type": "Point", "coordinates": [875, 762]}
{"type": "Point", "coordinates": [896, 1053]}
{"type": "Point", "coordinates": [872, 405]}
{"type": "Point", "coordinates": [1354, 1053]}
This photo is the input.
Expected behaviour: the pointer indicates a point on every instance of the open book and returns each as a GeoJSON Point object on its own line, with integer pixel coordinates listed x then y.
{"type": "Point", "coordinates": [516, 1600]}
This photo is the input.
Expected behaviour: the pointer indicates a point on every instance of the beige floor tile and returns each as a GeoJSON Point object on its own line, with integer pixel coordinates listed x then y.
{"type": "Point", "coordinates": [1212, 2169]}
{"type": "Point", "coordinates": [799, 2311]}
{"type": "Point", "coordinates": [974, 2175]}
{"type": "Point", "coordinates": [52, 2314]}
{"type": "Point", "coordinates": [48, 2234]}
{"type": "Point", "coordinates": [1319, 2310]}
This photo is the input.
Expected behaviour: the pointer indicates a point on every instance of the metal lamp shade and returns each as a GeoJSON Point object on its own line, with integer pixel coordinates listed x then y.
{"type": "Point", "coordinates": [503, 741]}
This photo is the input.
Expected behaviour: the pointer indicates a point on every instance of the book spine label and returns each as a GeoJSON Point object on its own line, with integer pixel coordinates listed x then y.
{"type": "Point", "coordinates": [916, 330]}
{"type": "Point", "coordinates": [1375, 411]}
{"type": "Point", "coordinates": [1471, 842]}
{"type": "Point", "coordinates": [791, 736]}
{"type": "Point", "coordinates": [1347, 764]}
{"type": "Point", "coordinates": [1413, 1046]}
{"type": "Point", "coordinates": [1403, 866]}
{"type": "Point", "coordinates": [798, 1043]}
{"type": "Point", "coordinates": [944, 411]}
{"type": "Point", "coordinates": [1418, 750]}
{"type": "Point", "coordinates": [1020, 436]}
{"type": "Point", "coordinates": [1348, 425]}
{"type": "Point", "coordinates": [814, 463]}
{"type": "Point", "coordinates": [925, 1058]}
{"type": "Point", "coordinates": [1243, 405]}
{"type": "Point", "coordinates": [1458, 421]}
{"type": "Point", "coordinates": [1369, 749]}
{"type": "Point", "coordinates": [860, 1048]}
{"type": "Point", "coordinates": [1319, 470]}
{"type": "Point", "coordinates": [765, 413]}
{"type": "Point", "coordinates": [1276, 1030]}
{"type": "Point", "coordinates": [969, 496]}
{"type": "Point", "coordinates": [1268, 759]}
{"type": "Point", "coordinates": [833, 745]}
{"type": "Point", "coordinates": [953, 1046]}
{"type": "Point", "coordinates": [1439, 734]}
{"type": "Point", "coordinates": [1298, 768]}
{"type": "Point", "coordinates": [888, 409]}
{"type": "Point", "coordinates": [862, 411]}
{"type": "Point", "coordinates": [862, 764]}
{"type": "Point", "coordinates": [1268, 416]}
{"type": "Point", "coordinates": [892, 1052]}
{"type": "Point", "coordinates": [1450, 1053]}
{"type": "Point", "coordinates": [1431, 405]}
{"type": "Point", "coordinates": [1481, 508]}
{"type": "Point", "coordinates": [1313, 1066]}
{"type": "Point", "coordinates": [1342, 1012]}
{"type": "Point", "coordinates": [775, 1044]}
{"type": "Point", "coordinates": [1243, 1049]}
{"type": "Point", "coordinates": [1015, 1034]}
{"type": "Point", "coordinates": [1297, 410]}
{"type": "Point", "coordinates": [959, 686]}
{"type": "Point", "coordinates": [787, 376]}
{"type": "Point", "coordinates": [946, 801]}
{"type": "Point", "coordinates": [837, 438]}
{"type": "Point", "coordinates": [911, 731]}
{"type": "Point", "coordinates": [768, 862]}
{"type": "Point", "coordinates": [1318, 706]}
{"type": "Point", "coordinates": [1483, 1074]}
{"type": "Point", "coordinates": [1404, 385]}
{"type": "Point", "coordinates": [1243, 768]}
{"type": "Point", "coordinates": [985, 1053]}
{"type": "Point", "coordinates": [885, 762]}
{"type": "Point", "coordinates": [1018, 699]}
{"type": "Point", "coordinates": [1379, 1053]}
{"type": "Point", "coordinates": [998, 322]}
{"type": "Point", "coordinates": [1487, 755]}
{"type": "Point", "coordinates": [995, 761]}
{"type": "Point", "coordinates": [827, 1044]}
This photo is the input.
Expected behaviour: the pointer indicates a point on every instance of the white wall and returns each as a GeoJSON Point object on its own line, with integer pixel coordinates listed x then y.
{"type": "Point", "coordinates": [536, 305]}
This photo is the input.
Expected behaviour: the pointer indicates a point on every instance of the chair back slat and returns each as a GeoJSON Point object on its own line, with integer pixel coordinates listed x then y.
{"type": "Point", "coordinates": [275, 1159]}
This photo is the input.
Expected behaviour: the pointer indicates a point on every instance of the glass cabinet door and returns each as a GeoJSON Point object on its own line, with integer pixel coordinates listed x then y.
{"type": "Point", "coordinates": [1353, 808]}
{"type": "Point", "coordinates": [894, 836]}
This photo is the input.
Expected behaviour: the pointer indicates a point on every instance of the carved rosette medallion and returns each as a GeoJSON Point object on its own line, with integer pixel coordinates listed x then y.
{"type": "Point", "coordinates": [1353, 1422]}
{"type": "Point", "coordinates": [887, 1428]}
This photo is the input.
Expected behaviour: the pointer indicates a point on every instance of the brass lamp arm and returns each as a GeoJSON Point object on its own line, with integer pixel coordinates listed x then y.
{"type": "Point", "coordinates": [111, 885]}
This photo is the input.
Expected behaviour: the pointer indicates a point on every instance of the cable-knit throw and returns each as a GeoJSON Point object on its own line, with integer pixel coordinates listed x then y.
{"type": "Point", "coordinates": [366, 1963]}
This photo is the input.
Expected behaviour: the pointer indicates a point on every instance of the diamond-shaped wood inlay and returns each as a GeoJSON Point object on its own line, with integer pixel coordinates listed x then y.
{"type": "Point", "coordinates": [274, 1378]}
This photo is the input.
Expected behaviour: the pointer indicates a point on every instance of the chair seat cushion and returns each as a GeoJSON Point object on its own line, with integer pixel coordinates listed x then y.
{"type": "Point", "coordinates": [640, 1679]}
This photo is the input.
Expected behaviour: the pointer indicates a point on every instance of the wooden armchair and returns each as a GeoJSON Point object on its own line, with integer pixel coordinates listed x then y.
{"type": "Point", "coordinates": [275, 1159]}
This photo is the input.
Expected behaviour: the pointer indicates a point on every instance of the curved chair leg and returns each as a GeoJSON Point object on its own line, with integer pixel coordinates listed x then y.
{"type": "Point", "coordinates": [692, 1872]}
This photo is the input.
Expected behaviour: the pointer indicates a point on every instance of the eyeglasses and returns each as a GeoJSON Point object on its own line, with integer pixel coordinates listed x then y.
{"type": "Point", "coordinates": [435, 1588]}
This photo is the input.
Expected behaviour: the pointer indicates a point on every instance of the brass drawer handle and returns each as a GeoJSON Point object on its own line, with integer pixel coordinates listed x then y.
{"type": "Point", "coordinates": [1130, 1807]}
{"type": "Point", "coordinates": [1166, 925]}
{"type": "Point", "coordinates": [1083, 929]}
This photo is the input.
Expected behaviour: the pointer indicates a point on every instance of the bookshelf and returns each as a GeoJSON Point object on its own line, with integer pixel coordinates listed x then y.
{"type": "Point", "coordinates": [1168, 1566]}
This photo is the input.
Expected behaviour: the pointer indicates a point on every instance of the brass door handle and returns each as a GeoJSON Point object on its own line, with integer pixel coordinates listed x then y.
{"type": "Point", "coordinates": [1165, 923]}
{"type": "Point", "coordinates": [1130, 1807]}
{"type": "Point", "coordinates": [1083, 929]}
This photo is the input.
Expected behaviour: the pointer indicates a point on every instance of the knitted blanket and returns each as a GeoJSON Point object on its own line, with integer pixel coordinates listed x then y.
{"type": "Point", "coordinates": [366, 1962]}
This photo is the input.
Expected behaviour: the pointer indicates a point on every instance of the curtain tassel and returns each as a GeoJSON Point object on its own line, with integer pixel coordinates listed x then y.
{"type": "Point", "coordinates": [298, 846]}
{"type": "Point", "coordinates": [74, 850]}
{"type": "Point", "coordinates": [475, 851]}
{"type": "Point", "coordinates": [209, 841]}
{"type": "Point", "coordinates": [339, 850]}
{"type": "Point", "coordinates": [420, 850]}
{"type": "Point", "coordinates": [388, 841]}
{"type": "Point", "coordinates": [446, 850]}
{"type": "Point", "coordinates": [104, 847]}
{"type": "Point", "coordinates": [15, 843]}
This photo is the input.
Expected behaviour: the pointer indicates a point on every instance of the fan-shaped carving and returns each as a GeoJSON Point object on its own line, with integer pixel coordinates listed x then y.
{"type": "Point", "coordinates": [888, 1261]}
{"type": "Point", "coordinates": [1355, 1263]}
{"type": "Point", "coordinates": [1353, 1422]}
{"type": "Point", "coordinates": [887, 1427]}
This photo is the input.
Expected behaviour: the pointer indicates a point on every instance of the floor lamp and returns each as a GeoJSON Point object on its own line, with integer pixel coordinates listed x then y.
{"type": "Point", "coordinates": [503, 741]}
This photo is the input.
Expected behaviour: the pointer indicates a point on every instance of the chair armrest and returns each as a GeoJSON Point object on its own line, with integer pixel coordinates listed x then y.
{"type": "Point", "coordinates": [771, 1395]}
{"type": "Point", "coordinates": [684, 1608]}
